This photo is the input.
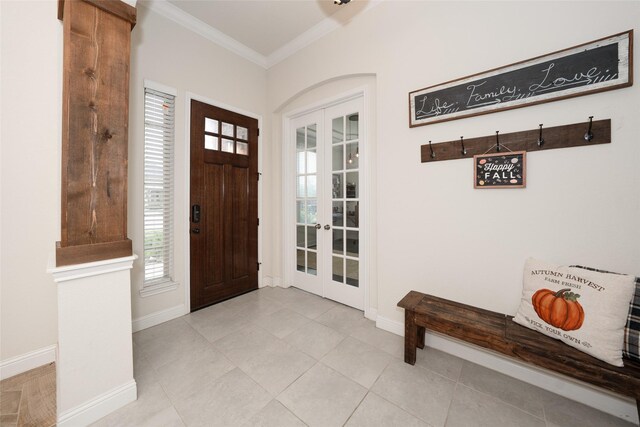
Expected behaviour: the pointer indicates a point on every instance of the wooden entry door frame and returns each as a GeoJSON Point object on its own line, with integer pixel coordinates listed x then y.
{"type": "Point", "coordinates": [186, 206]}
{"type": "Point", "coordinates": [368, 275]}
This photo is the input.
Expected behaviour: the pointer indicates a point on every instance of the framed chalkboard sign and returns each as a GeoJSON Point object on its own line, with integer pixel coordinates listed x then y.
{"type": "Point", "coordinates": [500, 170]}
{"type": "Point", "coordinates": [597, 66]}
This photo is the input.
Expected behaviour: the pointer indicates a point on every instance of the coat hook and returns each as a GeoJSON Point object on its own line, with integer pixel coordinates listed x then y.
{"type": "Point", "coordinates": [540, 138]}
{"type": "Point", "coordinates": [433, 155]}
{"type": "Point", "coordinates": [464, 150]}
{"type": "Point", "coordinates": [497, 142]}
{"type": "Point", "coordinates": [589, 135]}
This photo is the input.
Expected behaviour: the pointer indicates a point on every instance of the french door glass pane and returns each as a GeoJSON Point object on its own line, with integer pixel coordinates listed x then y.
{"type": "Point", "coordinates": [338, 130]}
{"type": "Point", "coordinates": [312, 267]}
{"type": "Point", "coordinates": [338, 269]}
{"type": "Point", "coordinates": [352, 272]}
{"type": "Point", "coordinates": [301, 212]}
{"type": "Point", "coordinates": [306, 199]}
{"type": "Point", "coordinates": [311, 136]}
{"type": "Point", "coordinates": [338, 213]}
{"type": "Point", "coordinates": [345, 194]}
{"type": "Point", "coordinates": [300, 260]}
{"type": "Point", "coordinates": [338, 157]}
{"type": "Point", "coordinates": [352, 155]}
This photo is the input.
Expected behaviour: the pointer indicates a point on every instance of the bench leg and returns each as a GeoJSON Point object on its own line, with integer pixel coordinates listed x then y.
{"type": "Point", "coordinates": [410, 337]}
{"type": "Point", "coordinates": [420, 337]}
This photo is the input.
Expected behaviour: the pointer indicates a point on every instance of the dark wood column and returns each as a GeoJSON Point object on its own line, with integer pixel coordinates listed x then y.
{"type": "Point", "coordinates": [95, 125]}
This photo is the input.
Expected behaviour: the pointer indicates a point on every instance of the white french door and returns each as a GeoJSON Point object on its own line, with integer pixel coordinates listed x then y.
{"type": "Point", "coordinates": [328, 172]}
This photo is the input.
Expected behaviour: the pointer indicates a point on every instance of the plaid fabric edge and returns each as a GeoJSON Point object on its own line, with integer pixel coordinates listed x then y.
{"type": "Point", "coordinates": [631, 348]}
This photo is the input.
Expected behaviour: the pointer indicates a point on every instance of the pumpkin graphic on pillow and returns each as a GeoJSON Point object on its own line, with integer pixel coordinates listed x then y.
{"type": "Point", "coordinates": [560, 309]}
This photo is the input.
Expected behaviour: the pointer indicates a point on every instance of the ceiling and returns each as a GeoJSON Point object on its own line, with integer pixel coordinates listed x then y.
{"type": "Point", "coordinates": [264, 31]}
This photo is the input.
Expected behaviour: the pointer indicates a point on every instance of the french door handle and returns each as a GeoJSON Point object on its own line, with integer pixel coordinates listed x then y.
{"type": "Point", "coordinates": [327, 227]}
{"type": "Point", "coordinates": [318, 226]}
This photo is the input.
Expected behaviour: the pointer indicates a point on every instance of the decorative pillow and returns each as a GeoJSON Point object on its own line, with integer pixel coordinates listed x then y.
{"type": "Point", "coordinates": [631, 347]}
{"type": "Point", "coordinates": [585, 309]}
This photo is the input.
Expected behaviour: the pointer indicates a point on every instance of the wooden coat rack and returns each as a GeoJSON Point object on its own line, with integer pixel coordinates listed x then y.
{"type": "Point", "coordinates": [566, 136]}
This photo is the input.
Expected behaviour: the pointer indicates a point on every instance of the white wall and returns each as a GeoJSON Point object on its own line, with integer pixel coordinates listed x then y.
{"type": "Point", "coordinates": [167, 53]}
{"type": "Point", "coordinates": [435, 233]}
{"type": "Point", "coordinates": [31, 133]}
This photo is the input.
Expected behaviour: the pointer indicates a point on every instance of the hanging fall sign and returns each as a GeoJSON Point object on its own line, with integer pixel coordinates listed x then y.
{"type": "Point", "coordinates": [500, 170]}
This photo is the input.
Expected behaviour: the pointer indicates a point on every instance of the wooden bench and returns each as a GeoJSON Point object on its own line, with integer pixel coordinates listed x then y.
{"type": "Point", "coordinates": [498, 332]}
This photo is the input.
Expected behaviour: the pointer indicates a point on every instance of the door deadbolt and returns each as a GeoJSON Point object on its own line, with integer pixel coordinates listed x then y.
{"type": "Point", "coordinates": [327, 227]}
{"type": "Point", "coordinates": [195, 230]}
{"type": "Point", "coordinates": [318, 226]}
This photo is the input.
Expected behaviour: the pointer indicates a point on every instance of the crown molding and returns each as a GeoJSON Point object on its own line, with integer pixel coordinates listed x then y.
{"type": "Point", "coordinates": [179, 16]}
{"type": "Point", "coordinates": [314, 33]}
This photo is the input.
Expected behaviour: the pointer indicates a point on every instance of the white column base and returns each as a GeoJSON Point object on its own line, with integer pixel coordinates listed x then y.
{"type": "Point", "coordinates": [94, 368]}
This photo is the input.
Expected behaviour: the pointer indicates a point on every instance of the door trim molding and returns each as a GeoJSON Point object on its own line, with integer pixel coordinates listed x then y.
{"type": "Point", "coordinates": [288, 188]}
{"type": "Point", "coordinates": [189, 96]}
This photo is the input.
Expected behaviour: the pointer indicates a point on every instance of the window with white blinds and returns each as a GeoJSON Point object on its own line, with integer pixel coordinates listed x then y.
{"type": "Point", "coordinates": [159, 114]}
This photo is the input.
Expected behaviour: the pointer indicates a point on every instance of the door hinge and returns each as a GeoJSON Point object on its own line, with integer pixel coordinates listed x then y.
{"type": "Point", "coordinates": [258, 175]}
{"type": "Point", "coordinates": [258, 131]}
{"type": "Point", "coordinates": [258, 266]}
{"type": "Point", "coordinates": [258, 221]}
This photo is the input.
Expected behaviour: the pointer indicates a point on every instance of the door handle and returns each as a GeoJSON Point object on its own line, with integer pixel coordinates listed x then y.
{"type": "Point", "coordinates": [195, 230]}
{"type": "Point", "coordinates": [327, 227]}
{"type": "Point", "coordinates": [318, 226]}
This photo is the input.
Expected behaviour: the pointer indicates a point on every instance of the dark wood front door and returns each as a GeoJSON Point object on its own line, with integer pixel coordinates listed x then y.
{"type": "Point", "coordinates": [224, 204]}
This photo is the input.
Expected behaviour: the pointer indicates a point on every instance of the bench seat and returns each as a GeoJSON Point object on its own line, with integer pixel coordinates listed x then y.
{"type": "Point", "coordinates": [498, 332]}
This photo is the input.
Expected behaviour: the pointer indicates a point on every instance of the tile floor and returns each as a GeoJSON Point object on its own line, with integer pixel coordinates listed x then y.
{"type": "Point", "coordinates": [29, 399]}
{"type": "Point", "coordinates": [282, 357]}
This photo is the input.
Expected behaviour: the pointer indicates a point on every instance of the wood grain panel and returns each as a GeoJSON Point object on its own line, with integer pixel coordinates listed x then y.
{"type": "Point", "coordinates": [240, 221]}
{"type": "Point", "coordinates": [212, 226]}
{"type": "Point", "coordinates": [95, 125]}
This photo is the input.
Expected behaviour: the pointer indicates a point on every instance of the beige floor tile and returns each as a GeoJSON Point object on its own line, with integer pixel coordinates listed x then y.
{"type": "Point", "coordinates": [508, 389]}
{"type": "Point", "coordinates": [562, 412]}
{"type": "Point", "coordinates": [269, 361]}
{"type": "Point", "coordinates": [216, 322]}
{"type": "Point", "coordinates": [230, 400]}
{"type": "Point", "coordinates": [440, 362]}
{"type": "Point", "coordinates": [192, 372]}
{"type": "Point", "coordinates": [9, 420]}
{"type": "Point", "coordinates": [358, 361]}
{"type": "Point", "coordinates": [10, 402]}
{"type": "Point", "coordinates": [152, 409]}
{"type": "Point", "coordinates": [275, 415]}
{"type": "Point", "coordinates": [282, 322]}
{"type": "Point", "coordinates": [38, 403]}
{"type": "Point", "coordinates": [471, 408]}
{"type": "Point", "coordinates": [385, 341]}
{"type": "Point", "coordinates": [16, 382]}
{"type": "Point", "coordinates": [315, 339]}
{"type": "Point", "coordinates": [374, 411]}
{"type": "Point", "coordinates": [164, 350]}
{"type": "Point", "coordinates": [323, 397]}
{"type": "Point", "coordinates": [311, 306]}
{"type": "Point", "coordinates": [342, 318]}
{"type": "Point", "coordinates": [419, 391]}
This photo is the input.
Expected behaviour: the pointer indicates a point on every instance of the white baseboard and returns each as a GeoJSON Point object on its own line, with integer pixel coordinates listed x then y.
{"type": "Point", "coordinates": [580, 392]}
{"type": "Point", "coordinates": [23, 363]}
{"type": "Point", "coordinates": [371, 314]}
{"type": "Point", "coordinates": [157, 318]}
{"type": "Point", "coordinates": [99, 407]}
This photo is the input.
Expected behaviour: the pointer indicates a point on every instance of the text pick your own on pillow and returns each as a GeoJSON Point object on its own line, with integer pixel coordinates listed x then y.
{"type": "Point", "coordinates": [585, 309]}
